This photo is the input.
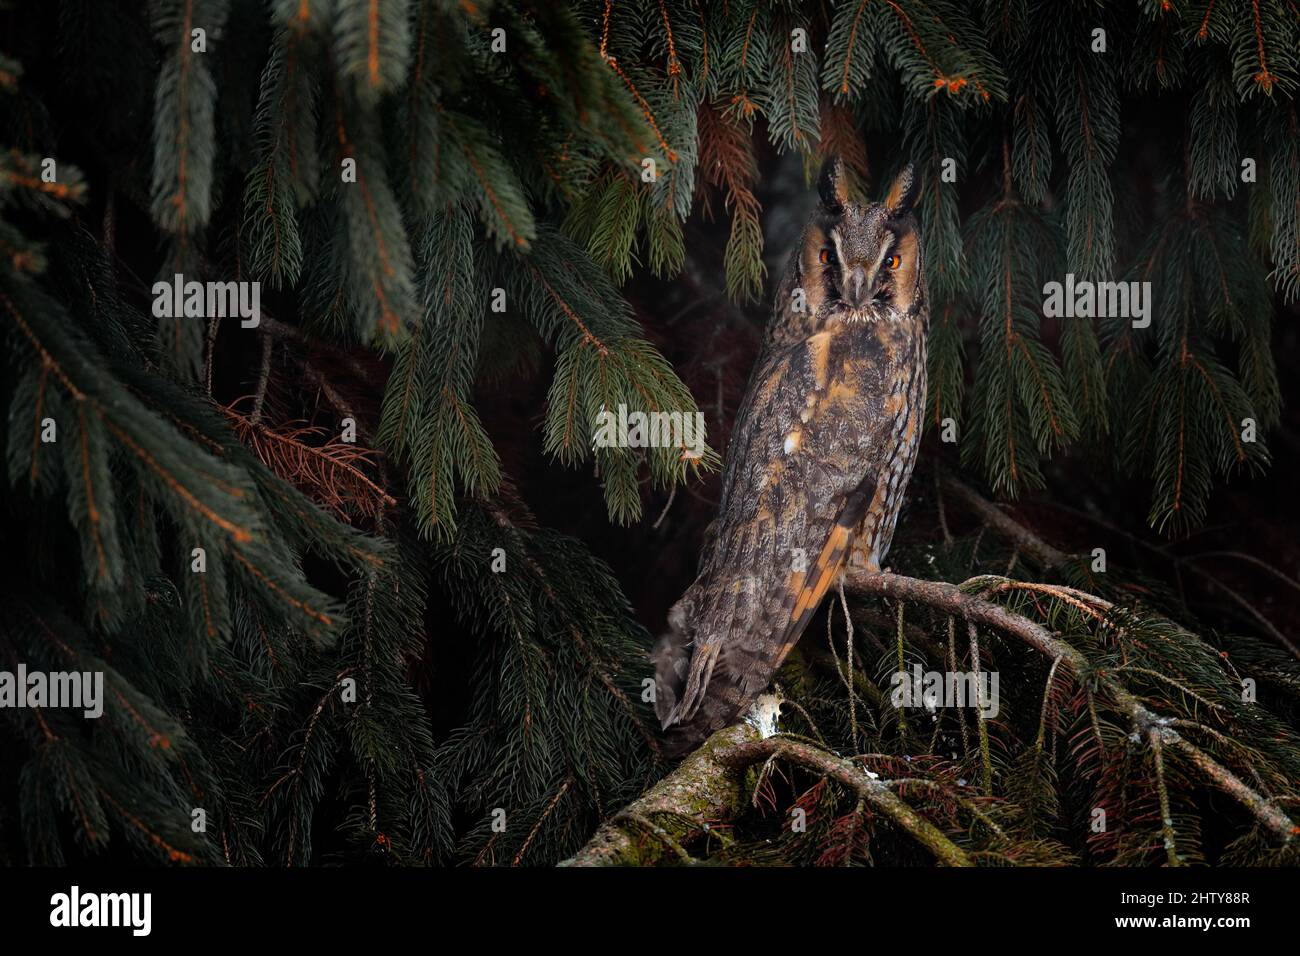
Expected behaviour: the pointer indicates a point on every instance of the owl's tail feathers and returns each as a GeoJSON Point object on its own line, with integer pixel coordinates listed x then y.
{"type": "Point", "coordinates": [689, 705]}
{"type": "Point", "coordinates": [703, 661]}
{"type": "Point", "coordinates": [686, 729]}
{"type": "Point", "coordinates": [685, 711]}
{"type": "Point", "coordinates": [684, 662]}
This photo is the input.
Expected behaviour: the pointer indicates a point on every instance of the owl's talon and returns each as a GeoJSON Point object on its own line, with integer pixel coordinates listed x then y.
{"type": "Point", "coordinates": [764, 715]}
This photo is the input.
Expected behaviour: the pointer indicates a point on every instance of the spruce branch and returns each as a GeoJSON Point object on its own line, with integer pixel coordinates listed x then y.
{"type": "Point", "coordinates": [727, 161]}
{"type": "Point", "coordinates": [879, 794]}
{"type": "Point", "coordinates": [953, 599]}
{"type": "Point", "coordinates": [316, 461]}
{"type": "Point", "coordinates": [184, 114]}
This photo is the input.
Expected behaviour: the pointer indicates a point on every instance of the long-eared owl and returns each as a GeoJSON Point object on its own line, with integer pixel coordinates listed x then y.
{"type": "Point", "coordinates": [820, 455]}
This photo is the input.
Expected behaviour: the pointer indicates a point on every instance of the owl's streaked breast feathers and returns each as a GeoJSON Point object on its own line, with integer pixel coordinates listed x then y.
{"type": "Point", "coordinates": [820, 454]}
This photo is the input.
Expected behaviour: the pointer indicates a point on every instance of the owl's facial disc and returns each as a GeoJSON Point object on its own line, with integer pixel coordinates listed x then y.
{"type": "Point", "coordinates": [859, 262]}
{"type": "Point", "coordinates": [869, 262]}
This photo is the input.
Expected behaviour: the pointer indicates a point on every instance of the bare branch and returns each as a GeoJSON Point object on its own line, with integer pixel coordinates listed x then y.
{"type": "Point", "coordinates": [876, 792]}
{"type": "Point", "coordinates": [953, 600]}
{"type": "Point", "coordinates": [1024, 539]}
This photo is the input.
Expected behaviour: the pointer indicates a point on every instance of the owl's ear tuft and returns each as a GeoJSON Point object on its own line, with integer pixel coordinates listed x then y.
{"type": "Point", "coordinates": [902, 193]}
{"type": "Point", "coordinates": [833, 184]}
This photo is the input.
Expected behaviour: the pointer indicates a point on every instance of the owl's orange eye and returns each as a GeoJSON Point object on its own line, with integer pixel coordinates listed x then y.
{"type": "Point", "coordinates": [894, 262]}
{"type": "Point", "coordinates": [824, 256]}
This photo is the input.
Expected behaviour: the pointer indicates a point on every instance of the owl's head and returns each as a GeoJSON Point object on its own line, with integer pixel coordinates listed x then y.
{"type": "Point", "coordinates": [862, 261]}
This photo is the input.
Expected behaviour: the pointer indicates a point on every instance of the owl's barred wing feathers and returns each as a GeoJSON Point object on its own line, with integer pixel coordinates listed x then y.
{"type": "Point", "coordinates": [783, 617]}
{"type": "Point", "coordinates": [786, 524]}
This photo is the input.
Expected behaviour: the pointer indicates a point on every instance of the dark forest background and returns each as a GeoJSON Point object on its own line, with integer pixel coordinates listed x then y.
{"type": "Point", "coordinates": [521, 169]}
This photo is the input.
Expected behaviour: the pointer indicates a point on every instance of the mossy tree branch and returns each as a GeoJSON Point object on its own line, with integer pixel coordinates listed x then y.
{"type": "Point", "coordinates": [708, 787]}
{"type": "Point", "coordinates": [703, 789]}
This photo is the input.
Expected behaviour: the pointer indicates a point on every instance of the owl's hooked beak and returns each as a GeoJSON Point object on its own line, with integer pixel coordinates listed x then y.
{"type": "Point", "coordinates": [857, 290]}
